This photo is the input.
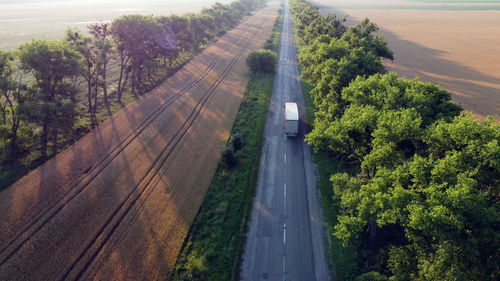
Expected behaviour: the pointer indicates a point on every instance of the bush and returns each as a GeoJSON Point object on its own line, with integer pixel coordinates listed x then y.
{"type": "Point", "coordinates": [372, 276]}
{"type": "Point", "coordinates": [269, 44]}
{"type": "Point", "coordinates": [237, 142]}
{"type": "Point", "coordinates": [229, 159]}
{"type": "Point", "coordinates": [262, 61]}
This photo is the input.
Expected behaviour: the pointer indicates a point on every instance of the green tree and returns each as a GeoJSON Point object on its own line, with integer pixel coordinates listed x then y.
{"type": "Point", "coordinates": [388, 92]}
{"type": "Point", "coordinates": [363, 35]}
{"type": "Point", "coordinates": [445, 203]}
{"type": "Point", "coordinates": [179, 26]}
{"type": "Point", "coordinates": [201, 27]}
{"type": "Point", "coordinates": [424, 203]}
{"type": "Point", "coordinates": [346, 123]}
{"type": "Point", "coordinates": [329, 25]}
{"type": "Point", "coordinates": [10, 121]}
{"type": "Point", "coordinates": [136, 37]}
{"type": "Point", "coordinates": [52, 64]}
{"type": "Point", "coordinates": [397, 137]}
{"type": "Point", "coordinates": [85, 46]}
{"type": "Point", "coordinates": [262, 61]}
{"type": "Point", "coordinates": [332, 64]}
{"type": "Point", "coordinates": [104, 53]}
{"type": "Point", "coordinates": [349, 136]}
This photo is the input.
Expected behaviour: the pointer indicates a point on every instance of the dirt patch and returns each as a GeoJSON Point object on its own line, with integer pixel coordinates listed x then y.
{"type": "Point", "coordinates": [456, 49]}
{"type": "Point", "coordinates": [118, 204]}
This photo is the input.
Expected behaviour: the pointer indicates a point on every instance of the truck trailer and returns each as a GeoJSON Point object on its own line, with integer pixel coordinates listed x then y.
{"type": "Point", "coordinates": [291, 119]}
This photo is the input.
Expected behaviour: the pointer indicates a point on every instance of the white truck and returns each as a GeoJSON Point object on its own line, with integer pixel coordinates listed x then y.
{"type": "Point", "coordinates": [291, 119]}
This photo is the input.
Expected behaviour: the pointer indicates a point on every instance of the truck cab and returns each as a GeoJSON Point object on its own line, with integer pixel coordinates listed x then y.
{"type": "Point", "coordinates": [291, 119]}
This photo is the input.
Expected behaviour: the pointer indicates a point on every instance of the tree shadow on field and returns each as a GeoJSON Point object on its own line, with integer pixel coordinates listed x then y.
{"type": "Point", "coordinates": [117, 214]}
{"type": "Point", "coordinates": [473, 90]}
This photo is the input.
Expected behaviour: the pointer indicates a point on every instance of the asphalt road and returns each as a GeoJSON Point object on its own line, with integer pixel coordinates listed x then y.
{"type": "Point", "coordinates": [285, 239]}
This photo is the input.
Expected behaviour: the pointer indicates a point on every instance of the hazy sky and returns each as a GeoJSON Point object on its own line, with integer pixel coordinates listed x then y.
{"type": "Point", "coordinates": [89, 1]}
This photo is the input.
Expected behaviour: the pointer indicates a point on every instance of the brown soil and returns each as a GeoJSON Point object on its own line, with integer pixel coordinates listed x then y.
{"type": "Point", "coordinates": [456, 49]}
{"type": "Point", "coordinates": [118, 204]}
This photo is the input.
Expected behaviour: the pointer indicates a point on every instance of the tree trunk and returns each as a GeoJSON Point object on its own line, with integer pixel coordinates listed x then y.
{"type": "Point", "coordinates": [96, 97]}
{"type": "Point", "coordinates": [13, 140]}
{"type": "Point", "coordinates": [105, 84]}
{"type": "Point", "coordinates": [55, 135]}
{"type": "Point", "coordinates": [119, 88]}
{"type": "Point", "coordinates": [4, 113]}
{"type": "Point", "coordinates": [44, 138]}
{"type": "Point", "coordinates": [373, 230]}
{"type": "Point", "coordinates": [134, 79]}
{"type": "Point", "coordinates": [139, 78]}
{"type": "Point", "coordinates": [89, 94]}
{"type": "Point", "coordinates": [121, 80]}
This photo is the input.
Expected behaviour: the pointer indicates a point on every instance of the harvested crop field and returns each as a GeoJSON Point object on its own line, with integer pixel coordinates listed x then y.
{"type": "Point", "coordinates": [23, 20]}
{"type": "Point", "coordinates": [457, 48]}
{"type": "Point", "coordinates": [118, 204]}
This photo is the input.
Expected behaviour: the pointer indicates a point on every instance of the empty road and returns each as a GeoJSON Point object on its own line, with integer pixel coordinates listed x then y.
{"type": "Point", "coordinates": [285, 239]}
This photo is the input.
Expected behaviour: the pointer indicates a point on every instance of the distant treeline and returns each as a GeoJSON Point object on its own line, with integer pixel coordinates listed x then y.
{"type": "Point", "coordinates": [423, 203]}
{"type": "Point", "coordinates": [51, 92]}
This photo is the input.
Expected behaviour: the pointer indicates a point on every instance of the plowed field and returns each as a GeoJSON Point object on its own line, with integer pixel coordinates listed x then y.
{"type": "Point", "coordinates": [118, 204]}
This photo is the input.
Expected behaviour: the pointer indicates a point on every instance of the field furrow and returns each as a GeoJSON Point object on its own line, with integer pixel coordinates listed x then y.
{"type": "Point", "coordinates": [118, 203]}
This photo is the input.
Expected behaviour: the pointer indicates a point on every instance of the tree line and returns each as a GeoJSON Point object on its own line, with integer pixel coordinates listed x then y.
{"type": "Point", "coordinates": [51, 92]}
{"type": "Point", "coordinates": [422, 203]}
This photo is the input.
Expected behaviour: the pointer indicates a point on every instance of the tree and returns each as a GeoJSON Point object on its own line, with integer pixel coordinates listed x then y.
{"type": "Point", "coordinates": [52, 64]}
{"type": "Point", "coordinates": [135, 37]}
{"type": "Point", "coordinates": [389, 92]}
{"type": "Point", "coordinates": [201, 27]}
{"type": "Point", "coordinates": [262, 61]}
{"type": "Point", "coordinates": [6, 81]}
{"type": "Point", "coordinates": [349, 136]}
{"type": "Point", "coordinates": [9, 100]}
{"type": "Point", "coordinates": [373, 111]}
{"type": "Point", "coordinates": [445, 203]}
{"type": "Point", "coordinates": [178, 27]}
{"type": "Point", "coordinates": [328, 25]}
{"type": "Point", "coordinates": [103, 46]}
{"type": "Point", "coordinates": [332, 64]}
{"type": "Point", "coordinates": [85, 46]}
{"type": "Point", "coordinates": [314, 56]}
{"type": "Point", "coordinates": [362, 35]}
{"type": "Point", "coordinates": [424, 204]}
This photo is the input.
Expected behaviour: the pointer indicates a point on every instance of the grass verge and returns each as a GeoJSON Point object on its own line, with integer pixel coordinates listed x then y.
{"type": "Point", "coordinates": [343, 259]}
{"type": "Point", "coordinates": [216, 236]}
{"type": "Point", "coordinates": [213, 249]}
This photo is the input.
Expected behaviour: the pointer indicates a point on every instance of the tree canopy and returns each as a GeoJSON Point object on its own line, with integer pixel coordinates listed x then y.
{"type": "Point", "coordinates": [262, 61]}
{"type": "Point", "coordinates": [53, 92]}
{"type": "Point", "coordinates": [422, 203]}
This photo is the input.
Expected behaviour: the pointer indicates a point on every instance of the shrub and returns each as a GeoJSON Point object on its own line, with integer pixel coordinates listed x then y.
{"type": "Point", "coordinates": [229, 160]}
{"type": "Point", "coordinates": [372, 276]}
{"type": "Point", "coordinates": [262, 61]}
{"type": "Point", "coordinates": [269, 44]}
{"type": "Point", "coordinates": [237, 142]}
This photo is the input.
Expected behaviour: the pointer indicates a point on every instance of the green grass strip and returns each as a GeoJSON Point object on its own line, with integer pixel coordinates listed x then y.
{"type": "Point", "coordinates": [215, 240]}
{"type": "Point", "coordinates": [214, 246]}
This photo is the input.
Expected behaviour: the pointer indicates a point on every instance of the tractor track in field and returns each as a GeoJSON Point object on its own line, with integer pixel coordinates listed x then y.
{"type": "Point", "coordinates": [149, 181]}
{"type": "Point", "coordinates": [151, 174]}
{"type": "Point", "coordinates": [96, 169]}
